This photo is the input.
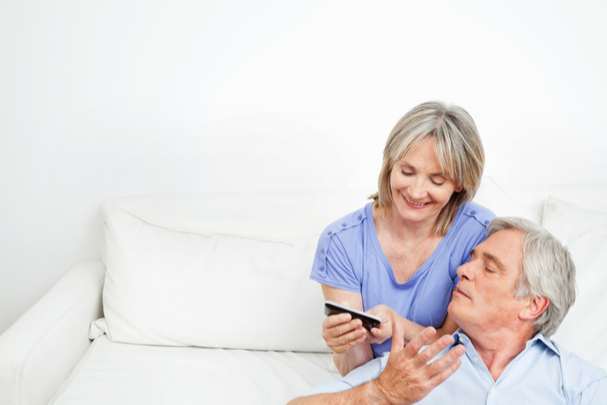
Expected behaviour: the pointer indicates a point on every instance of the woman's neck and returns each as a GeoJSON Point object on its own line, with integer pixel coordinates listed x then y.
{"type": "Point", "coordinates": [398, 228]}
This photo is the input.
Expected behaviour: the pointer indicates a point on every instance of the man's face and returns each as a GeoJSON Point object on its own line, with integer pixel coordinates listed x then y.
{"type": "Point", "coordinates": [485, 295]}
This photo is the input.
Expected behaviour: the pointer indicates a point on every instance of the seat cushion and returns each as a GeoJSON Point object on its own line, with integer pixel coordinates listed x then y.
{"type": "Point", "coordinates": [121, 373]}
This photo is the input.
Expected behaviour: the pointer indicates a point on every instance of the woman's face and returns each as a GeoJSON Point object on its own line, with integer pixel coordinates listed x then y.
{"type": "Point", "coordinates": [419, 188]}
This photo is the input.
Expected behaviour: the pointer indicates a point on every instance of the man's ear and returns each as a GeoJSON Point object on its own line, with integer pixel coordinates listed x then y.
{"type": "Point", "coordinates": [535, 308]}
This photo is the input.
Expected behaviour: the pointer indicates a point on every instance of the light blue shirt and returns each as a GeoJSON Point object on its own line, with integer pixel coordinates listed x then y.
{"type": "Point", "coordinates": [349, 257]}
{"type": "Point", "coordinates": [542, 374]}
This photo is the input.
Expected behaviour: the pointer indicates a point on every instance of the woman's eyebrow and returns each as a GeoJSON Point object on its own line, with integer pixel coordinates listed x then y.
{"type": "Point", "coordinates": [410, 166]}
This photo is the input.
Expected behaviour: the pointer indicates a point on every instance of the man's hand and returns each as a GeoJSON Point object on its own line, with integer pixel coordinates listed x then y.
{"type": "Point", "coordinates": [408, 376]}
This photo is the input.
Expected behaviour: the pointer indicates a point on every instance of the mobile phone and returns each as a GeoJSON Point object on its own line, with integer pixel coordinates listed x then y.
{"type": "Point", "coordinates": [369, 321]}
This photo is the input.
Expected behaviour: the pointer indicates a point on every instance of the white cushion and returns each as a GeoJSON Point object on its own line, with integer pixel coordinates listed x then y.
{"type": "Point", "coordinates": [584, 232]}
{"type": "Point", "coordinates": [226, 271]}
{"type": "Point", "coordinates": [116, 373]}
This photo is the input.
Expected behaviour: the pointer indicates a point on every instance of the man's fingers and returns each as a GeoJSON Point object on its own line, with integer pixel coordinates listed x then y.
{"type": "Point", "coordinates": [439, 378]}
{"type": "Point", "coordinates": [433, 349]}
{"type": "Point", "coordinates": [423, 338]}
{"type": "Point", "coordinates": [398, 337]}
{"type": "Point", "coordinates": [446, 362]}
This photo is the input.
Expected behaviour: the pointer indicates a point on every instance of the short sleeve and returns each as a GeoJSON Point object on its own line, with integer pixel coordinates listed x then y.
{"type": "Point", "coordinates": [472, 231]}
{"type": "Point", "coordinates": [475, 239]}
{"type": "Point", "coordinates": [332, 265]}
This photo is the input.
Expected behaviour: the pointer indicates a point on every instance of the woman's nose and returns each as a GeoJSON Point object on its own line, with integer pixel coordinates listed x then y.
{"type": "Point", "coordinates": [417, 190]}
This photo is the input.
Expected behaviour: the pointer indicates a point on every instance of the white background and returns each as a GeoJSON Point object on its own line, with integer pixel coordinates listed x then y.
{"type": "Point", "coordinates": [101, 99]}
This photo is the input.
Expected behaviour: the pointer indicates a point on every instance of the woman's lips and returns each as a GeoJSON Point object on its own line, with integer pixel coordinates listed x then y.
{"type": "Point", "coordinates": [415, 205]}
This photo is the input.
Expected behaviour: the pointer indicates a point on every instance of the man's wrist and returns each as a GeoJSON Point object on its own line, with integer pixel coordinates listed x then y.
{"type": "Point", "coordinates": [378, 394]}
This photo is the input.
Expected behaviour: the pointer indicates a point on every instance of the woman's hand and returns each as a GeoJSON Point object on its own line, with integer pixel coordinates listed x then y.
{"type": "Point", "coordinates": [341, 332]}
{"type": "Point", "coordinates": [384, 332]}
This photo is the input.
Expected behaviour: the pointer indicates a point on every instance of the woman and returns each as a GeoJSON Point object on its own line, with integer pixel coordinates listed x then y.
{"type": "Point", "coordinates": [399, 253]}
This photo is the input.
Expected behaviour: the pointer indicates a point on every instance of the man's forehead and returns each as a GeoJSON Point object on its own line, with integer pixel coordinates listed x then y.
{"type": "Point", "coordinates": [505, 246]}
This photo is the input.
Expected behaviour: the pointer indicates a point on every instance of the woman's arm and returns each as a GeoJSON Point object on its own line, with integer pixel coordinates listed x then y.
{"type": "Point", "coordinates": [410, 328]}
{"type": "Point", "coordinates": [345, 336]}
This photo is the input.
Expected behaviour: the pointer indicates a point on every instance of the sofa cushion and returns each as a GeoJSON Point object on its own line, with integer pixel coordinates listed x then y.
{"type": "Point", "coordinates": [584, 232]}
{"type": "Point", "coordinates": [117, 373]}
{"type": "Point", "coordinates": [224, 271]}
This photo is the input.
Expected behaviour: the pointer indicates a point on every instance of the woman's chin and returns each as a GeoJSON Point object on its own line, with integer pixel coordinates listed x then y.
{"type": "Point", "coordinates": [409, 214]}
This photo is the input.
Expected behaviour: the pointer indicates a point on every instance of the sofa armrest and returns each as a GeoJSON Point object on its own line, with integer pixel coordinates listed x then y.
{"type": "Point", "coordinates": [38, 352]}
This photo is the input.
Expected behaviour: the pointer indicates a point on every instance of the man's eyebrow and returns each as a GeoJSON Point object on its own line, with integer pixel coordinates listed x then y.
{"type": "Point", "coordinates": [494, 259]}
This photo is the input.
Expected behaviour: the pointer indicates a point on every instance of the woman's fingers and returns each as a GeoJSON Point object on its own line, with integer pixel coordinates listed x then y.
{"type": "Point", "coordinates": [348, 337]}
{"type": "Point", "coordinates": [334, 320]}
{"type": "Point", "coordinates": [342, 332]}
{"type": "Point", "coordinates": [348, 346]}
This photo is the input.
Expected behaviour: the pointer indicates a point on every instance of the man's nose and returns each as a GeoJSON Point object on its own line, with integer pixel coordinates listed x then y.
{"type": "Point", "coordinates": [466, 270]}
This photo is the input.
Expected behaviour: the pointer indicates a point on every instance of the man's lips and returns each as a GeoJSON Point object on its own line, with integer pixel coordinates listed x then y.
{"type": "Point", "coordinates": [462, 292]}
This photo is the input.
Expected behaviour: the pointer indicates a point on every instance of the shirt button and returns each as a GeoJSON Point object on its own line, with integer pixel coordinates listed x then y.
{"type": "Point", "coordinates": [321, 268]}
{"type": "Point", "coordinates": [360, 217]}
{"type": "Point", "coordinates": [473, 212]}
{"type": "Point", "coordinates": [344, 225]}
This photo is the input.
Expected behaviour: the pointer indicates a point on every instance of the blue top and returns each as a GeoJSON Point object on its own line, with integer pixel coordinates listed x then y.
{"type": "Point", "coordinates": [542, 374]}
{"type": "Point", "coordinates": [349, 257]}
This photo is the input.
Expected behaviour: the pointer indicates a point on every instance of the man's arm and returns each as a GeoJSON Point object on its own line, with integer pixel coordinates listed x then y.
{"type": "Point", "coordinates": [408, 376]}
{"type": "Point", "coordinates": [595, 393]}
{"type": "Point", "coordinates": [364, 394]}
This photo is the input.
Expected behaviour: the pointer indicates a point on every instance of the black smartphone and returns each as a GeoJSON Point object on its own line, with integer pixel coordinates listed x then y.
{"type": "Point", "coordinates": [369, 321]}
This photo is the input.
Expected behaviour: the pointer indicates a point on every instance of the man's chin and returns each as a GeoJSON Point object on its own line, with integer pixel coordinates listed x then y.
{"type": "Point", "coordinates": [454, 310]}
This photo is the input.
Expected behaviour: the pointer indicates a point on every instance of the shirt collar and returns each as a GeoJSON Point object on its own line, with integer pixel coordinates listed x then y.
{"type": "Point", "coordinates": [545, 341]}
{"type": "Point", "coordinates": [461, 338]}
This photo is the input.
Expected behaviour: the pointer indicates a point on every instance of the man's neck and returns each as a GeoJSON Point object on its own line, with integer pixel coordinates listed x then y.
{"type": "Point", "coordinates": [498, 348]}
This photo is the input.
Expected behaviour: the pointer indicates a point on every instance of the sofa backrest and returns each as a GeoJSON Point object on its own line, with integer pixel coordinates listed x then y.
{"type": "Point", "coordinates": [232, 270]}
{"type": "Point", "coordinates": [218, 270]}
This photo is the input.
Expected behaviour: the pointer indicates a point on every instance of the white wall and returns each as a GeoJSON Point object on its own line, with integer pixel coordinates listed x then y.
{"type": "Point", "coordinates": [106, 98]}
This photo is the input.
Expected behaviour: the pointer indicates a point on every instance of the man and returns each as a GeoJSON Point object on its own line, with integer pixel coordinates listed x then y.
{"type": "Point", "coordinates": [511, 296]}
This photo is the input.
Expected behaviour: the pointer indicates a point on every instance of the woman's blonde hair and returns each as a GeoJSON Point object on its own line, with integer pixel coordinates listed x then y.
{"type": "Point", "coordinates": [458, 148]}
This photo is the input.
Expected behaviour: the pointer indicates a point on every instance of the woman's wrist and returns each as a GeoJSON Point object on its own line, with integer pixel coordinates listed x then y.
{"type": "Point", "coordinates": [352, 358]}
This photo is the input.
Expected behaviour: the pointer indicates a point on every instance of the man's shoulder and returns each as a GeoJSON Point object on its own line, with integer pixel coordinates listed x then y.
{"type": "Point", "coordinates": [578, 373]}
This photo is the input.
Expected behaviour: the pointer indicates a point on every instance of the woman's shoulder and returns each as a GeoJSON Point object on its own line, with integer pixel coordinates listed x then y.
{"type": "Point", "coordinates": [475, 215]}
{"type": "Point", "coordinates": [350, 223]}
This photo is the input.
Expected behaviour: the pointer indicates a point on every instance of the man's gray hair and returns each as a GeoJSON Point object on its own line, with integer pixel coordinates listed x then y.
{"type": "Point", "coordinates": [548, 271]}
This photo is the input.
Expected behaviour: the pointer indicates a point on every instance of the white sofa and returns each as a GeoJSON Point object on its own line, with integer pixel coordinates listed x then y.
{"type": "Point", "coordinates": [206, 299]}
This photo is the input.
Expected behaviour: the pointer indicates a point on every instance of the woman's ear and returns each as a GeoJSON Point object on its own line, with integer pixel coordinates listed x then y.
{"type": "Point", "coordinates": [535, 308]}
